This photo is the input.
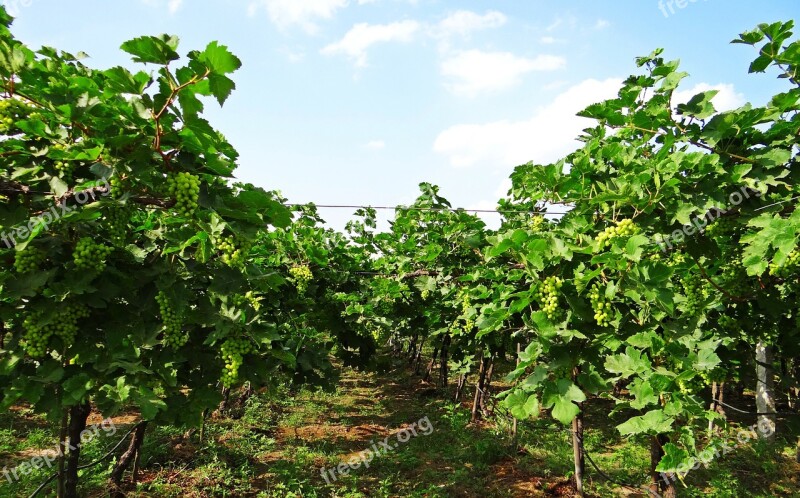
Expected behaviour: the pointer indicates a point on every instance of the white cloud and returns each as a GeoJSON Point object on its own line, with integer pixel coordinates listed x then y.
{"type": "Point", "coordinates": [172, 5]}
{"type": "Point", "coordinates": [303, 13]}
{"type": "Point", "coordinates": [464, 22]}
{"type": "Point", "coordinates": [547, 136]}
{"type": "Point", "coordinates": [727, 98]}
{"type": "Point", "coordinates": [547, 40]}
{"type": "Point", "coordinates": [361, 37]}
{"type": "Point", "coordinates": [602, 24]}
{"type": "Point", "coordinates": [291, 55]}
{"type": "Point", "coordinates": [375, 145]}
{"type": "Point", "coordinates": [475, 71]}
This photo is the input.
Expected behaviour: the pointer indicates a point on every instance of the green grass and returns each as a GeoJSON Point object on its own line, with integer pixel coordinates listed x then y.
{"type": "Point", "coordinates": [283, 438]}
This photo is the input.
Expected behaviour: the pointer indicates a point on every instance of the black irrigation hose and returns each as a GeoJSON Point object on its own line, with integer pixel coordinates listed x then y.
{"type": "Point", "coordinates": [759, 414]}
{"type": "Point", "coordinates": [88, 465]}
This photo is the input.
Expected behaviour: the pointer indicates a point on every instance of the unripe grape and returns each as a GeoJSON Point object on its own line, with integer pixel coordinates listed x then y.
{"type": "Point", "coordinates": [546, 293]}
{"type": "Point", "coordinates": [603, 310]}
{"type": "Point", "coordinates": [185, 188]}
{"type": "Point", "coordinates": [696, 292]}
{"type": "Point", "coordinates": [234, 254]}
{"type": "Point", "coordinates": [174, 336]}
{"type": "Point", "coordinates": [28, 260]}
{"type": "Point", "coordinates": [90, 256]}
{"type": "Point", "coordinates": [302, 276]}
{"type": "Point", "coordinates": [788, 268]}
{"type": "Point", "coordinates": [13, 110]}
{"type": "Point", "coordinates": [117, 219]}
{"type": "Point", "coordinates": [64, 325]}
{"type": "Point", "coordinates": [233, 351]}
{"type": "Point", "coordinates": [623, 228]}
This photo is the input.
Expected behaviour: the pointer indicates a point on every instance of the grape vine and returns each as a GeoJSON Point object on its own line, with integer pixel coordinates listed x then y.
{"type": "Point", "coordinates": [301, 276]}
{"type": "Point", "coordinates": [185, 188]}
{"type": "Point", "coordinates": [623, 228]}
{"type": "Point", "coordinates": [174, 335]}
{"type": "Point", "coordinates": [547, 293]}
{"type": "Point", "coordinates": [233, 351]}
{"type": "Point", "coordinates": [63, 324]}
{"type": "Point", "coordinates": [91, 256]}
{"type": "Point", "coordinates": [29, 259]}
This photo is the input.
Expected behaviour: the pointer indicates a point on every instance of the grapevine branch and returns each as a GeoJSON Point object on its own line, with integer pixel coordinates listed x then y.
{"type": "Point", "coordinates": [715, 285]}
{"type": "Point", "coordinates": [167, 156]}
{"type": "Point", "coordinates": [88, 465]}
{"type": "Point", "coordinates": [699, 144]}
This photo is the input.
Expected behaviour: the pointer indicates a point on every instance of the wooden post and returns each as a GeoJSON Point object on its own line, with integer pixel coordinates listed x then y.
{"type": "Point", "coordinates": [77, 424]}
{"type": "Point", "coordinates": [514, 422]}
{"type": "Point", "coordinates": [443, 368]}
{"type": "Point", "coordinates": [476, 403]}
{"type": "Point", "coordinates": [765, 392]}
{"type": "Point", "coordinates": [429, 370]}
{"type": "Point", "coordinates": [578, 455]}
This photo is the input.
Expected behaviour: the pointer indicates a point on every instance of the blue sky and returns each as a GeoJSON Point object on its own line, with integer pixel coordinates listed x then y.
{"type": "Point", "coordinates": [358, 101]}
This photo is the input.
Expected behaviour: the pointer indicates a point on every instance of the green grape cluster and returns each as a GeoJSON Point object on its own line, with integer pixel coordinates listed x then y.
{"type": "Point", "coordinates": [788, 268]}
{"type": "Point", "coordinates": [425, 294]}
{"type": "Point", "coordinates": [623, 228]}
{"type": "Point", "coordinates": [241, 300]}
{"type": "Point", "coordinates": [117, 187]}
{"type": "Point", "coordinates": [11, 111]}
{"type": "Point", "coordinates": [185, 188]}
{"type": "Point", "coordinates": [601, 306]}
{"type": "Point", "coordinates": [302, 276]}
{"type": "Point", "coordinates": [28, 259]}
{"type": "Point", "coordinates": [696, 292]}
{"type": "Point", "coordinates": [734, 277]}
{"type": "Point", "coordinates": [676, 259]}
{"type": "Point", "coordinates": [721, 227]}
{"type": "Point", "coordinates": [63, 325]}
{"type": "Point", "coordinates": [537, 223]}
{"type": "Point", "coordinates": [64, 170]}
{"type": "Point", "coordinates": [233, 352]}
{"type": "Point", "coordinates": [117, 218]}
{"type": "Point", "coordinates": [174, 336]}
{"type": "Point", "coordinates": [728, 323]}
{"type": "Point", "coordinates": [547, 295]}
{"type": "Point", "coordinates": [466, 307]}
{"type": "Point", "coordinates": [233, 254]}
{"type": "Point", "coordinates": [91, 256]}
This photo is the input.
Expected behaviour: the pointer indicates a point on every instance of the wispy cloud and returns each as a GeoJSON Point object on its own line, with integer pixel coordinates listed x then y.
{"type": "Point", "coordinates": [473, 72]}
{"type": "Point", "coordinates": [543, 138]}
{"type": "Point", "coordinates": [303, 13]}
{"type": "Point", "coordinates": [464, 22]}
{"type": "Point", "coordinates": [361, 37]}
{"type": "Point", "coordinates": [601, 24]}
{"type": "Point", "coordinates": [172, 5]}
{"type": "Point", "coordinates": [375, 145]}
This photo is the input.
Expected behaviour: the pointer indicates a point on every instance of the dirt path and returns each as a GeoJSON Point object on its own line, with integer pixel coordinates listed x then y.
{"type": "Point", "coordinates": [446, 457]}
